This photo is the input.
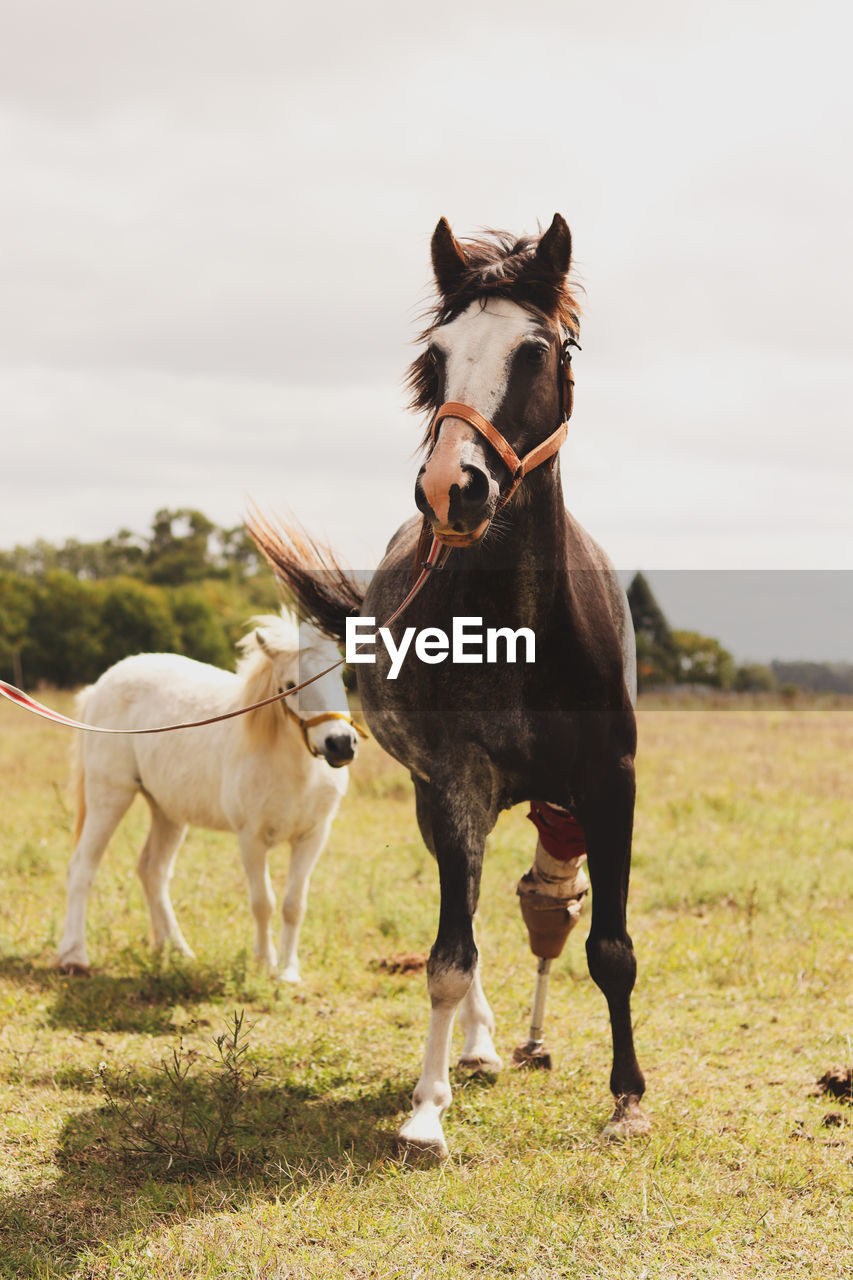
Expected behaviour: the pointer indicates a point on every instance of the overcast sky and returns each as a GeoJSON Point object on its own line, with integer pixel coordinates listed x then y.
{"type": "Point", "coordinates": [215, 248]}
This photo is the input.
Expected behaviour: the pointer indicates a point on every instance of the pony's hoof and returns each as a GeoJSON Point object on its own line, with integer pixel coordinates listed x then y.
{"type": "Point", "coordinates": [290, 975]}
{"type": "Point", "coordinates": [628, 1120]}
{"type": "Point", "coordinates": [420, 1152]}
{"type": "Point", "coordinates": [483, 1065]}
{"type": "Point", "coordinates": [73, 969]}
{"type": "Point", "coordinates": [169, 948]}
{"type": "Point", "coordinates": [421, 1137]}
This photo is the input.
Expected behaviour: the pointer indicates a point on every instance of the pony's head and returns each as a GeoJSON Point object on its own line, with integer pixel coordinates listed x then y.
{"type": "Point", "coordinates": [498, 349]}
{"type": "Point", "coordinates": [279, 654]}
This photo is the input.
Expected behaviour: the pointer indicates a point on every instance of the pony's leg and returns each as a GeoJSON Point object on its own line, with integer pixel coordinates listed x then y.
{"type": "Point", "coordinates": [610, 953]}
{"type": "Point", "coordinates": [155, 866]}
{"type": "Point", "coordinates": [253, 851]}
{"type": "Point", "coordinates": [475, 1015]}
{"type": "Point", "coordinates": [303, 858]}
{"type": "Point", "coordinates": [459, 823]}
{"type": "Point", "coordinates": [104, 811]}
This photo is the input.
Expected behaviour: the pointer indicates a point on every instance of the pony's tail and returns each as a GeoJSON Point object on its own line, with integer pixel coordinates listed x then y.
{"type": "Point", "coordinates": [321, 589]}
{"type": "Point", "coordinates": [78, 776]}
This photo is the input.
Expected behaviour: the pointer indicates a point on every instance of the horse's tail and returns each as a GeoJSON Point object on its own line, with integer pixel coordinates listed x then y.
{"type": "Point", "coordinates": [321, 588]}
{"type": "Point", "coordinates": [78, 777]}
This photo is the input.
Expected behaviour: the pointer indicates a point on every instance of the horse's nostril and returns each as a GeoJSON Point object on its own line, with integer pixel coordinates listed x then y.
{"type": "Point", "coordinates": [421, 500]}
{"type": "Point", "coordinates": [475, 495]}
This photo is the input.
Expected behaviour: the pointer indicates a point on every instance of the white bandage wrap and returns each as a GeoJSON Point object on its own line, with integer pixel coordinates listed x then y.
{"type": "Point", "coordinates": [558, 877]}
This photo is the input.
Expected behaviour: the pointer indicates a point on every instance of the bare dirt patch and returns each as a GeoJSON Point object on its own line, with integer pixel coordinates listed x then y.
{"type": "Point", "coordinates": [405, 962]}
{"type": "Point", "coordinates": [838, 1083]}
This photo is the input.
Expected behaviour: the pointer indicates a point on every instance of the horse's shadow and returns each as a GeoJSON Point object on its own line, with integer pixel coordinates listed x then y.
{"type": "Point", "coordinates": [141, 1002]}
{"type": "Point", "coordinates": [308, 1137]}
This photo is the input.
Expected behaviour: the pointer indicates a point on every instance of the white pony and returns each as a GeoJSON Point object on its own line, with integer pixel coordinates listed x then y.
{"type": "Point", "coordinates": [273, 774]}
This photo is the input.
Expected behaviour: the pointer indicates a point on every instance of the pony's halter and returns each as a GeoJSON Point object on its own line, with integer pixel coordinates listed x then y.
{"type": "Point", "coordinates": [309, 722]}
{"type": "Point", "coordinates": [517, 467]}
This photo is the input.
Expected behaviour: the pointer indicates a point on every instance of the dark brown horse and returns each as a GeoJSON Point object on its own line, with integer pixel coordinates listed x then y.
{"type": "Point", "coordinates": [479, 737]}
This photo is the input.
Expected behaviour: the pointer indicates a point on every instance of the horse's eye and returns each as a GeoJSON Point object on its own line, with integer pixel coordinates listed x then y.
{"type": "Point", "coordinates": [535, 355]}
{"type": "Point", "coordinates": [291, 684]}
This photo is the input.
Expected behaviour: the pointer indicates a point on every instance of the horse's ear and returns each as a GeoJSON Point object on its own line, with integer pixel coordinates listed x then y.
{"type": "Point", "coordinates": [262, 642]}
{"type": "Point", "coordinates": [554, 251]}
{"type": "Point", "coordinates": [448, 260]}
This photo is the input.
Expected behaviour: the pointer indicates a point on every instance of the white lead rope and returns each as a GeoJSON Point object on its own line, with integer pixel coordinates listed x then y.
{"type": "Point", "coordinates": [436, 557]}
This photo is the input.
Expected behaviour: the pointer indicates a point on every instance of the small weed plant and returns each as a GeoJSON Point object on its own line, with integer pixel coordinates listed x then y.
{"type": "Point", "coordinates": [200, 1110]}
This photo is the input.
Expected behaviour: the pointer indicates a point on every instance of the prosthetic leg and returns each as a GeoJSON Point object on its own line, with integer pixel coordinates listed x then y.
{"type": "Point", "coordinates": [551, 896]}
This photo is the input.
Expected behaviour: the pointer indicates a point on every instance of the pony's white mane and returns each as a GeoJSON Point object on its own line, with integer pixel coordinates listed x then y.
{"type": "Point", "coordinates": [256, 668]}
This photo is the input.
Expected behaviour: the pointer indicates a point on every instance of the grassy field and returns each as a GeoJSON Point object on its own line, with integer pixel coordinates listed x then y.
{"type": "Point", "coordinates": [270, 1153]}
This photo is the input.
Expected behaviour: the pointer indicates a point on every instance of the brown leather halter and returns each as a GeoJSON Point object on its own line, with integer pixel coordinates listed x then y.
{"type": "Point", "coordinates": [517, 467]}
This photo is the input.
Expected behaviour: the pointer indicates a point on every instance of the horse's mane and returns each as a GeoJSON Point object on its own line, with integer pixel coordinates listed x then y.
{"type": "Point", "coordinates": [256, 669]}
{"type": "Point", "coordinates": [498, 265]}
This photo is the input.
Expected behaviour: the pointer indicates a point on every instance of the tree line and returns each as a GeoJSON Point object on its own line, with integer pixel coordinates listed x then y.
{"type": "Point", "coordinates": [670, 657]}
{"type": "Point", "coordinates": [188, 586]}
{"type": "Point", "coordinates": [667, 657]}
{"type": "Point", "coordinates": [68, 612]}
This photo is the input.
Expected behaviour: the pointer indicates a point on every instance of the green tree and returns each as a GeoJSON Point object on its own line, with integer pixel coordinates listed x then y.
{"type": "Point", "coordinates": [657, 652]}
{"type": "Point", "coordinates": [200, 630]}
{"type": "Point", "coordinates": [64, 635]}
{"type": "Point", "coordinates": [238, 555]}
{"type": "Point", "coordinates": [178, 550]}
{"type": "Point", "coordinates": [752, 677]}
{"type": "Point", "coordinates": [17, 603]}
{"type": "Point", "coordinates": [135, 618]}
{"type": "Point", "coordinates": [703, 660]}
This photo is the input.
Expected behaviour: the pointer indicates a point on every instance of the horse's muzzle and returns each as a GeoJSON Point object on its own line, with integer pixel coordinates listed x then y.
{"type": "Point", "coordinates": [454, 489]}
{"type": "Point", "coordinates": [339, 749]}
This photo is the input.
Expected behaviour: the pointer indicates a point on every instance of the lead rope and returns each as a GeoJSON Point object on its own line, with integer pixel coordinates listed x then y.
{"type": "Point", "coordinates": [435, 560]}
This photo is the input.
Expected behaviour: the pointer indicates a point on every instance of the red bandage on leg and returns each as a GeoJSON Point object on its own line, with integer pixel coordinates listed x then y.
{"type": "Point", "coordinates": [560, 834]}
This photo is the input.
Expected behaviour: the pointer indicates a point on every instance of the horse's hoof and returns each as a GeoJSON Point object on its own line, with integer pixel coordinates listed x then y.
{"type": "Point", "coordinates": [485, 1065]}
{"type": "Point", "coordinates": [420, 1152]}
{"type": "Point", "coordinates": [74, 970]}
{"type": "Point", "coordinates": [421, 1136]}
{"type": "Point", "coordinates": [628, 1120]}
{"type": "Point", "coordinates": [290, 975]}
{"type": "Point", "coordinates": [170, 948]}
{"type": "Point", "coordinates": [530, 1056]}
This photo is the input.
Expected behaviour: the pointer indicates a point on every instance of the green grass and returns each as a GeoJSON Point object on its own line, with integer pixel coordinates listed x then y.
{"type": "Point", "coordinates": [741, 915]}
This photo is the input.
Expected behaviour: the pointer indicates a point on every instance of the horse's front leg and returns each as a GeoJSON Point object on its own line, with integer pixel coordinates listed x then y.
{"type": "Point", "coordinates": [475, 1015]}
{"type": "Point", "coordinates": [610, 954]}
{"type": "Point", "coordinates": [460, 821]}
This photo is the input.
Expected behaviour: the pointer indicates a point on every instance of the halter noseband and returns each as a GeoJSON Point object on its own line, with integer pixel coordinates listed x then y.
{"type": "Point", "coordinates": [519, 467]}
{"type": "Point", "coordinates": [310, 721]}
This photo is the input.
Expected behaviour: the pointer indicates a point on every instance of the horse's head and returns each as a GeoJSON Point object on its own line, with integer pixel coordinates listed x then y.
{"type": "Point", "coordinates": [495, 375]}
{"type": "Point", "coordinates": [295, 654]}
